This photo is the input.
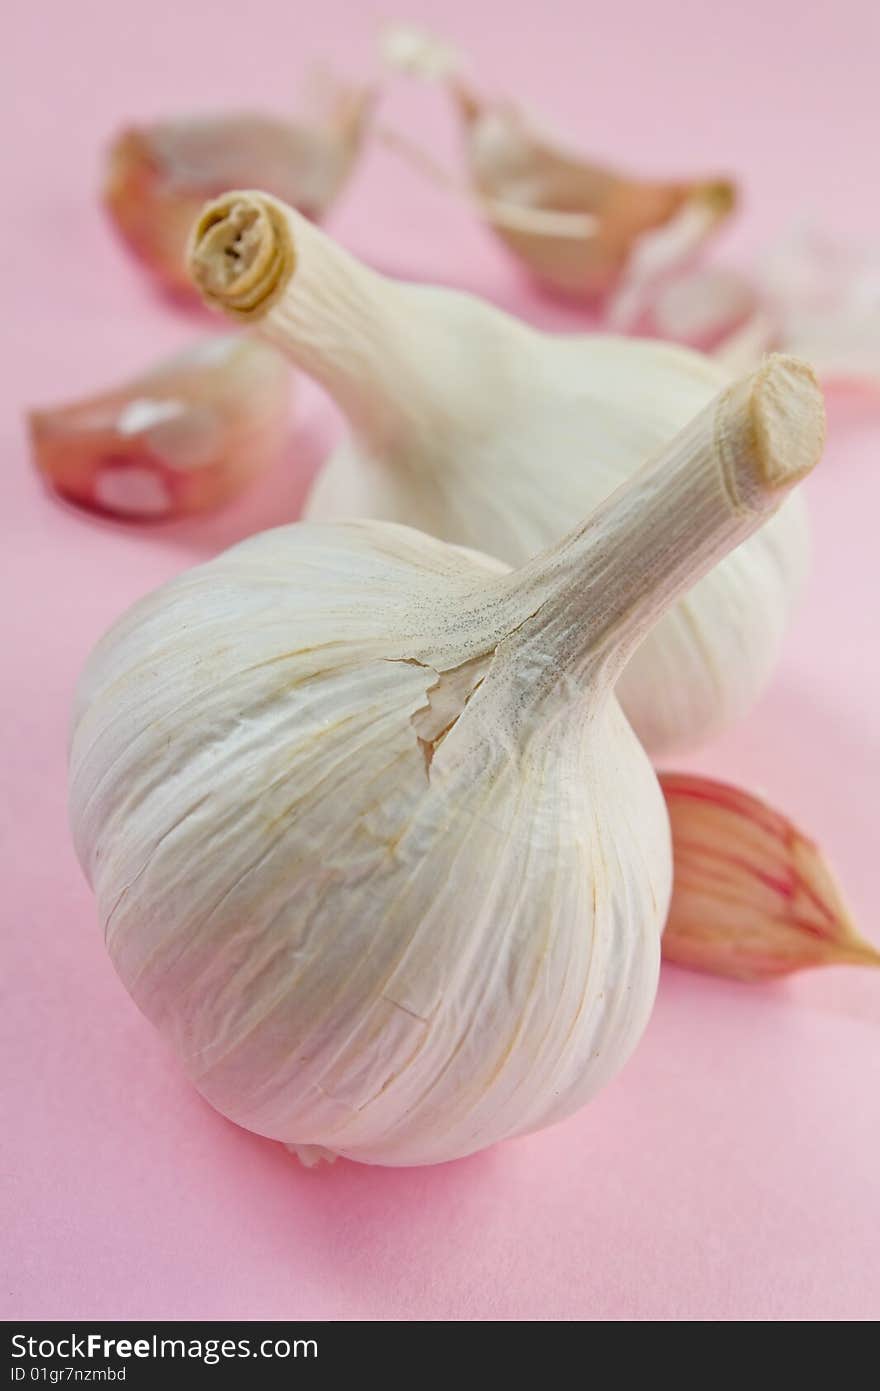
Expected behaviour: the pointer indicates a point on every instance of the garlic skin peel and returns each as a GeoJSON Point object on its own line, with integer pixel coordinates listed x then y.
{"type": "Point", "coordinates": [485, 433]}
{"type": "Point", "coordinates": [187, 435]}
{"type": "Point", "coordinates": [753, 897]}
{"type": "Point", "coordinates": [158, 176]}
{"type": "Point", "coordinates": [806, 295]}
{"type": "Point", "coordinates": [624, 234]}
{"type": "Point", "coordinates": [372, 843]}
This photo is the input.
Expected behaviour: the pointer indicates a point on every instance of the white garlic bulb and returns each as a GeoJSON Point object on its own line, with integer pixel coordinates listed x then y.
{"type": "Point", "coordinates": [372, 843]}
{"type": "Point", "coordinates": [483, 432]}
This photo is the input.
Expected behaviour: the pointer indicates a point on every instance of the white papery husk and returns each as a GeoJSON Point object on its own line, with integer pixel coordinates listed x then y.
{"type": "Point", "coordinates": [459, 958]}
{"type": "Point", "coordinates": [806, 294]}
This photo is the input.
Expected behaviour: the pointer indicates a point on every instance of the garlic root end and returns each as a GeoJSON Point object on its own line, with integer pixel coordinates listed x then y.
{"type": "Point", "coordinates": [311, 1156]}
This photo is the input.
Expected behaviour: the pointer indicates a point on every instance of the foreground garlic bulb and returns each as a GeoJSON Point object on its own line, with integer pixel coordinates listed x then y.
{"type": "Point", "coordinates": [372, 843]}
{"type": "Point", "coordinates": [806, 294]}
{"type": "Point", "coordinates": [483, 432]}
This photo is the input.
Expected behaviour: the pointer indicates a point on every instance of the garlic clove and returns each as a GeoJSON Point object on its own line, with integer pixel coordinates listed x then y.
{"type": "Point", "coordinates": [753, 897]}
{"type": "Point", "coordinates": [158, 176]}
{"type": "Point", "coordinates": [407, 48]}
{"type": "Point", "coordinates": [636, 231]}
{"type": "Point", "coordinates": [806, 295]}
{"type": "Point", "coordinates": [185, 436]}
{"type": "Point", "coordinates": [826, 299]}
{"type": "Point", "coordinates": [701, 308]}
{"type": "Point", "coordinates": [372, 844]}
{"type": "Point", "coordinates": [662, 252]}
{"type": "Point", "coordinates": [485, 433]}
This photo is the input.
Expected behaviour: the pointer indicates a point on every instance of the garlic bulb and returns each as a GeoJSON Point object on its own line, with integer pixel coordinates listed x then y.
{"type": "Point", "coordinates": [185, 436]}
{"type": "Point", "coordinates": [485, 433]}
{"type": "Point", "coordinates": [372, 844]}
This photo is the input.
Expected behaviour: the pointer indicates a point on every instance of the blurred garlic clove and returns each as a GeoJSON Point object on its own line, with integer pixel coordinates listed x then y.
{"type": "Point", "coordinates": [806, 295]}
{"type": "Point", "coordinates": [407, 48]}
{"type": "Point", "coordinates": [158, 176]}
{"type": "Point", "coordinates": [312, 1156]}
{"type": "Point", "coordinates": [661, 251]}
{"type": "Point", "coordinates": [826, 297]}
{"type": "Point", "coordinates": [753, 898]}
{"type": "Point", "coordinates": [184, 437]}
{"type": "Point", "coordinates": [636, 230]}
{"type": "Point", "coordinates": [701, 308]}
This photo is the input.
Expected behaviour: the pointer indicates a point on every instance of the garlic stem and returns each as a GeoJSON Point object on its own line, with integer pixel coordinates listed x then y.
{"type": "Point", "coordinates": [601, 589]}
{"type": "Point", "coordinates": [338, 321]}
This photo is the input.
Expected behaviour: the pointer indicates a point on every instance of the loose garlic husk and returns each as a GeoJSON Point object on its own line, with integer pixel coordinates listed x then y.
{"type": "Point", "coordinates": [753, 897]}
{"type": "Point", "coordinates": [158, 176]}
{"type": "Point", "coordinates": [485, 433]}
{"type": "Point", "coordinates": [806, 295]}
{"type": "Point", "coordinates": [372, 843]}
{"type": "Point", "coordinates": [187, 435]}
{"type": "Point", "coordinates": [624, 235]}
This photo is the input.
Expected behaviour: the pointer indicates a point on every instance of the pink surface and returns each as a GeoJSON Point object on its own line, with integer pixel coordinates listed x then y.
{"type": "Point", "coordinates": [731, 1172]}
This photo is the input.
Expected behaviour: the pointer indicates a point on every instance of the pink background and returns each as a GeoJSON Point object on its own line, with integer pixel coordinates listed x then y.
{"type": "Point", "coordinates": [732, 1171]}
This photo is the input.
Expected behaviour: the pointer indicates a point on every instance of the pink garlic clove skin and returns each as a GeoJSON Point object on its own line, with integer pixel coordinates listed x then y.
{"type": "Point", "coordinates": [753, 898]}
{"type": "Point", "coordinates": [662, 222]}
{"type": "Point", "coordinates": [184, 438]}
{"type": "Point", "coordinates": [637, 231]}
{"type": "Point", "coordinates": [159, 176]}
{"type": "Point", "coordinates": [700, 308]}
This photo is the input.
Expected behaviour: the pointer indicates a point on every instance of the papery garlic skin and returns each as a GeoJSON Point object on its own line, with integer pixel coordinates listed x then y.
{"type": "Point", "coordinates": [806, 295]}
{"type": "Point", "coordinates": [184, 437]}
{"type": "Point", "coordinates": [251, 926]}
{"type": "Point", "coordinates": [483, 432]}
{"type": "Point", "coordinates": [754, 898]}
{"type": "Point", "coordinates": [372, 842]}
{"type": "Point", "coordinates": [637, 230]}
{"type": "Point", "coordinates": [643, 230]}
{"type": "Point", "coordinates": [158, 176]}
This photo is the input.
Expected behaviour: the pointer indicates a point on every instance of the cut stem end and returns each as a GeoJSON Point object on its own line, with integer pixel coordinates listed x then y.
{"type": "Point", "coordinates": [771, 430]}
{"type": "Point", "coordinates": [242, 254]}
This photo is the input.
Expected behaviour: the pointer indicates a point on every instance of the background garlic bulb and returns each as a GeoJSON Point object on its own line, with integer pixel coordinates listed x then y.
{"type": "Point", "coordinates": [483, 432]}
{"type": "Point", "coordinates": [372, 843]}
